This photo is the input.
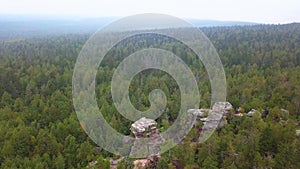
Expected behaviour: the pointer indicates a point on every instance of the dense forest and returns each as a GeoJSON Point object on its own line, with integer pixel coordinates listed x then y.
{"type": "Point", "coordinates": [39, 127]}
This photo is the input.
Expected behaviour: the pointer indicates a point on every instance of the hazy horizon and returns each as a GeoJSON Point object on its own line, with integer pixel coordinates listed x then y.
{"type": "Point", "coordinates": [265, 12]}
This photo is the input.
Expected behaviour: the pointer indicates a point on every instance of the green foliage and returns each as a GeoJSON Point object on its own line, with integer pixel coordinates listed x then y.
{"type": "Point", "coordinates": [39, 128]}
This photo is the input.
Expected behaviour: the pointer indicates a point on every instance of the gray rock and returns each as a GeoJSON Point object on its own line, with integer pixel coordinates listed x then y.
{"type": "Point", "coordinates": [251, 112]}
{"type": "Point", "coordinates": [213, 121]}
{"type": "Point", "coordinates": [199, 112]}
{"type": "Point", "coordinates": [214, 115]}
{"type": "Point", "coordinates": [143, 126]}
{"type": "Point", "coordinates": [222, 106]}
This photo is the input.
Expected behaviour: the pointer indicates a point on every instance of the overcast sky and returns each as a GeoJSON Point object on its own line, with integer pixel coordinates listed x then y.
{"type": "Point", "coordinates": [262, 11]}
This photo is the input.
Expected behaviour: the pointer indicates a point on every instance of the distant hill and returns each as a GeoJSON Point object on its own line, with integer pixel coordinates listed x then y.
{"type": "Point", "coordinates": [213, 23]}
{"type": "Point", "coordinates": [13, 26]}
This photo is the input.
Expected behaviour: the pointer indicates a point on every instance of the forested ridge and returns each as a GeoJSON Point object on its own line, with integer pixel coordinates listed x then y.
{"type": "Point", "coordinates": [39, 127]}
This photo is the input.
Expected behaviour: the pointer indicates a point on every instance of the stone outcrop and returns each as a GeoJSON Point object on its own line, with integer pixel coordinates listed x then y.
{"type": "Point", "coordinates": [148, 149]}
{"type": "Point", "coordinates": [215, 117]}
{"type": "Point", "coordinates": [214, 120]}
{"type": "Point", "coordinates": [144, 127]}
{"type": "Point", "coordinates": [199, 113]}
{"type": "Point", "coordinates": [222, 107]}
{"type": "Point", "coordinates": [252, 112]}
{"type": "Point", "coordinates": [219, 108]}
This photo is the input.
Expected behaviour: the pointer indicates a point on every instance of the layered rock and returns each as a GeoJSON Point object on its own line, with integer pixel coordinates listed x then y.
{"type": "Point", "coordinates": [147, 142]}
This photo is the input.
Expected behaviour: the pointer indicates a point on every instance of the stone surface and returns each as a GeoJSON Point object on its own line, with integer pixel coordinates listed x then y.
{"type": "Point", "coordinates": [251, 112]}
{"type": "Point", "coordinates": [222, 106]}
{"type": "Point", "coordinates": [143, 127]}
{"type": "Point", "coordinates": [199, 112]}
{"type": "Point", "coordinates": [213, 121]}
{"type": "Point", "coordinates": [213, 118]}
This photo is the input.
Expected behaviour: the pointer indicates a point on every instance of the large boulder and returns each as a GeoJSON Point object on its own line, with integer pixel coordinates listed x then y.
{"type": "Point", "coordinates": [143, 126]}
{"type": "Point", "coordinates": [222, 107]}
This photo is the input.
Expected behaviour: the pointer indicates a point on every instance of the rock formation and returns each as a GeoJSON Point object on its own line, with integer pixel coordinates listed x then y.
{"type": "Point", "coordinates": [251, 112]}
{"type": "Point", "coordinates": [215, 117]}
{"type": "Point", "coordinates": [146, 128]}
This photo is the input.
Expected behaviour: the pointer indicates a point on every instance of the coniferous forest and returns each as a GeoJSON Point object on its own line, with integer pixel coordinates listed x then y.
{"type": "Point", "coordinates": [39, 127]}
